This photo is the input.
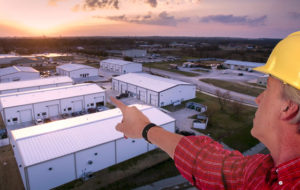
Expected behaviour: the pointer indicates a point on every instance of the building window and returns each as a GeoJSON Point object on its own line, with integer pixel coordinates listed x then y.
{"type": "Point", "coordinates": [50, 168]}
{"type": "Point", "coordinates": [8, 120]}
{"type": "Point", "coordinates": [15, 119]}
{"type": "Point", "coordinates": [95, 153]}
{"type": "Point", "coordinates": [69, 108]}
{"type": "Point", "coordinates": [44, 113]}
{"type": "Point", "coordinates": [90, 162]}
{"type": "Point", "coordinates": [65, 109]}
{"type": "Point", "coordinates": [88, 105]}
{"type": "Point", "coordinates": [92, 104]}
{"type": "Point", "coordinates": [38, 114]}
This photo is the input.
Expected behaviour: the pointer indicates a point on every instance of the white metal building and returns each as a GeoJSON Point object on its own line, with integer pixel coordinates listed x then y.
{"type": "Point", "coordinates": [16, 73]}
{"type": "Point", "coordinates": [34, 84]}
{"type": "Point", "coordinates": [241, 65]}
{"type": "Point", "coordinates": [262, 80]}
{"type": "Point", "coordinates": [53, 154]}
{"type": "Point", "coordinates": [76, 70]}
{"type": "Point", "coordinates": [28, 106]}
{"type": "Point", "coordinates": [154, 90]}
{"type": "Point", "coordinates": [120, 66]}
{"type": "Point", "coordinates": [134, 53]}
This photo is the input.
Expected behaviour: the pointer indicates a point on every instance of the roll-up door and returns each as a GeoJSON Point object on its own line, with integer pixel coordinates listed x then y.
{"type": "Point", "coordinates": [99, 101]}
{"type": "Point", "coordinates": [77, 105]}
{"type": "Point", "coordinates": [123, 88]}
{"type": "Point", "coordinates": [142, 95]}
{"type": "Point", "coordinates": [26, 115]}
{"type": "Point", "coordinates": [53, 110]}
{"type": "Point", "coordinates": [153, 100]}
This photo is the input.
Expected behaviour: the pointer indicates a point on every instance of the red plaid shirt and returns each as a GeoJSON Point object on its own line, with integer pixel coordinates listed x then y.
{"type": "Point", "coordinates": [205, 164]}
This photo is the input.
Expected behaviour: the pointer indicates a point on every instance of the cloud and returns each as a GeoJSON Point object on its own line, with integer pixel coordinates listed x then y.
{"type": "Point", "coordinates": [294, 15]}
{"type": "Point", "coordinates": [94, 4]}
{"type": "Point", "coordinates": [152, 3]}
{"type": "Point", "coordinates": [238, 20]}
{"type": "Point", "coordinates": [163, 19]}
{"type": "Point", "coordinates": [54, 2]}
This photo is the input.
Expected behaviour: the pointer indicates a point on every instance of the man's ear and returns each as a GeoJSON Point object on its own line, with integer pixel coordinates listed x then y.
{"type": "Point", "coordinates": [289, 111]}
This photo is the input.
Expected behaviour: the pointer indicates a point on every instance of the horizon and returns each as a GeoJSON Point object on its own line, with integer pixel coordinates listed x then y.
{"type": "Point", "coordinates": [166, 18]}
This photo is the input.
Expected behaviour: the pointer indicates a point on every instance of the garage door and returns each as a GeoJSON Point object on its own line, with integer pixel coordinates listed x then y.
{"type": "Point", "coordinates": [142, 95]}
{"type": "Point", "coordinates": [123, 88]}
{"type": "Point", "coordinates": [26, 115]}
{"type": "Point", "coordinates": [153, 100]}
{"type": "Point", "coordinates": [77, 105]}
{"type": "Point", "coordinates": [115, 85]}
{"type": "Point", "coordinates": [53, 110]}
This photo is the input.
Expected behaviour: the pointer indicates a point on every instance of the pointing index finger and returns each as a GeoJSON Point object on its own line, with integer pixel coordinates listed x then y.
{"type": "Point", "coordinates": [118, 103]}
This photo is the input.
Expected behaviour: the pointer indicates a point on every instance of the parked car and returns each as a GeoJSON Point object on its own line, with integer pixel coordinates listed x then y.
{"type": "Point", "coordinates": [38, 121]}
{"type": "Point", "coordinates": [3, 133]}
{"type": "Point", "coordinates": [122, 95]}
{"type": "Point", "coordinates": [65, 115]}
{"type": "Point", "coordinates": [75, 114]}
{"type": "Point", "coordinates": [100, 109]}
{"type": "Point", "coordinates": [92, 110]}
{"type": "Point", "coordinates": [47, 120]}
{"type": "Point", "coordinates": [82, 112]}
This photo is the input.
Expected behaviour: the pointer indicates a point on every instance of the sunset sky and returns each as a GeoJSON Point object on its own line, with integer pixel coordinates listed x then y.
{"type": "Point", "coordinates": [204, 18]}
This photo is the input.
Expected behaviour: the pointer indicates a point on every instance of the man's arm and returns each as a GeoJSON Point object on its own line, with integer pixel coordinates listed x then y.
{"type": "Point", "coordinates": [134, 122]}
{"type": "Point", "coordinates": [165, 140]}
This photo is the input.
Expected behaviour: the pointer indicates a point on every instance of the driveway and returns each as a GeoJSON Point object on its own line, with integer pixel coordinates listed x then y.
{"type": "Point", "coordinates": [183, 122]}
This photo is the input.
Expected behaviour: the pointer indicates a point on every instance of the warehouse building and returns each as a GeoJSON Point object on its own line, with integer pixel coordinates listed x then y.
{"type": "Point", "coordinates": [154, 90]}
{"type": "Point", "coordinates": [76, 71]}
{"type": "Point", "coordinates": [134, 53]}
{"type": "Point", "coordinates": [120, 66]}
{"type": "Point", "coordinates": [34, 84]}
{"type": "Point", "coordinates": [16, 73]}
{"type": "Point", "coordinates": [241, 65]}
{"type": "Point", "coordinates": [262, 80]}
{"type": "Point", "coordinates": [53, 154]}
{"type": "Point", "coordinates": [29, 106]}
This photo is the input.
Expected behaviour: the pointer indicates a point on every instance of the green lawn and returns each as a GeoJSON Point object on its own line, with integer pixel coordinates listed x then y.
{"type": "Point", "coordinates": [227, 126]}
{"type": "Point", "coordinates": [252, 91]}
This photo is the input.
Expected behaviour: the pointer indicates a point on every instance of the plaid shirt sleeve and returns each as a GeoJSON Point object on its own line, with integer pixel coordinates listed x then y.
{"type": "Point", "coordinates": [206, 165]}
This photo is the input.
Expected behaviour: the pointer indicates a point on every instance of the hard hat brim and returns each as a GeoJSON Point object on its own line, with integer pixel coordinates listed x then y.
{"type": "Point", "coordinates": [262, 69]}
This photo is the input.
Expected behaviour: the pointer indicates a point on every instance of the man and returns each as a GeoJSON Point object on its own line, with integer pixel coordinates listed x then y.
{"type": "Point", "coordinates": [207, 165]}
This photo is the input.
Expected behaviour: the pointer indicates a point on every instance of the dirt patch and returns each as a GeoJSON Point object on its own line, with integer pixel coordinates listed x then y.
{"type": "Point", "coordinates": [10, 177]}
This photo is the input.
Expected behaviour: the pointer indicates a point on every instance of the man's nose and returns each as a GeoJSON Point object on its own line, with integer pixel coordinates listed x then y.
{"type": "Point", "coordinates": [258, 98]}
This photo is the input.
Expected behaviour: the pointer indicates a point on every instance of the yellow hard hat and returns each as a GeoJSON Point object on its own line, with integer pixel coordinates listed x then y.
{"type": "Point", "coordinates": [284, 61]}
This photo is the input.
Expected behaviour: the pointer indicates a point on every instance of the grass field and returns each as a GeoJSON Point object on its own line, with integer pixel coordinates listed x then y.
{"type": "Point", "coordinates": [166, 66]}
{"type": "Point", "coordinates": [252, 91]}
{"type": "Point", "coordinates": [227, 125]}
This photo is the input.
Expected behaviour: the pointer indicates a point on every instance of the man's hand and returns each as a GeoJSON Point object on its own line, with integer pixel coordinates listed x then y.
{"type": "Point", "coordinates": [133, 121]}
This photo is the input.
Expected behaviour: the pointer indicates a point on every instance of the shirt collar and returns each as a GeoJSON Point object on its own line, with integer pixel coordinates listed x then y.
{"type": "Point", "coordinates": [288, 171]}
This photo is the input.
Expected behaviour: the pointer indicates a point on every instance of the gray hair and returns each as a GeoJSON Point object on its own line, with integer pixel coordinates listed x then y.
{"type": "Point", "coordinates": [293, 94]}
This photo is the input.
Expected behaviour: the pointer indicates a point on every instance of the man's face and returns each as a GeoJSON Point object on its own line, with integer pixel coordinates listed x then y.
{"type": "Point", "coordinates": [268, 113]}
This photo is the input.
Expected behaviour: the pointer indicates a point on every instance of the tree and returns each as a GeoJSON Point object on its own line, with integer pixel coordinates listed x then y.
{"type": "Point", "coordinates": [223, 98]}
{"type": "Point", "coordinates": [237, 108]}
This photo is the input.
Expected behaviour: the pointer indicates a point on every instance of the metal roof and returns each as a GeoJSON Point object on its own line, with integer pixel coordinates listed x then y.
{"type": "Point", "coordinates": [51, 140]}
{"type": "Point", "coordinates": [34, 82]}
{"type": "Point", "coordinates": [49, 94]}
{"type": "Point", "coordinates": [118, 62]}
{"type": "Point", "coordinates": [73, 67]}
{"type": "Point", "coordinates": [15, 69]}
{"type": "Point", "coordinates": [244, 63]}
{"type": "Point", "coordinates": [151, 82]}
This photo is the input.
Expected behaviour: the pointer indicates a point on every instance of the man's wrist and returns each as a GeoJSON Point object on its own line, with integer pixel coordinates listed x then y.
{"type": "Point", "coordinates": [146, 130]}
